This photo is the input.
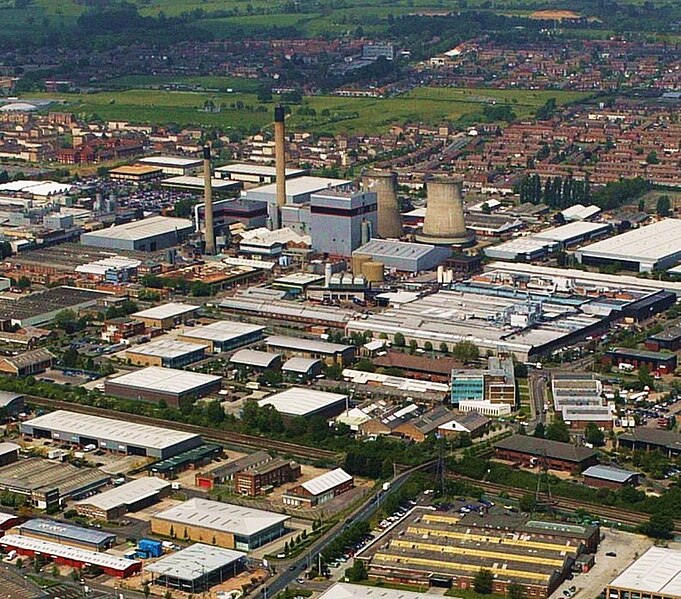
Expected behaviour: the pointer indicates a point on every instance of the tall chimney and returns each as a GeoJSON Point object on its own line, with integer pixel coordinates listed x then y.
{"type": "Point", "coordinates": [208, 201]}
{"type": "Point", "coordinates": [384, 184]}
{"type": "Point", "coordinates": [280, 153]}
{"type": "Point", "coordinates": [444, 223]}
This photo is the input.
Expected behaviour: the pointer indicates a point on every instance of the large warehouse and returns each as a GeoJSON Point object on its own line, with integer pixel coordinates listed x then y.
{"type": "Point", "coordinates": [255, 173]}
{"type": "Point", "coordinates": [306, 402]}
{"type": "Point", "coordinates": [120, 436]}
{"type": "Point", "coordinates": [168, 384]}
{"type": "Point", "coordinates": [167, 353]}
{"type": "Point", "coordinates": [174, 165]}
{"type": "Point", "coordinates": [343, 590]}
{"type": "Point", "coordinates": [223, 335]}
{"type": "Point", "coordinates": [129, 497]}
{"type": "Point", "coordinates": [221, 524]}
{"type": "Point", "coordinates": [657, 573]}
{"type": "Point", "coordinates": [645, 249]}
{"type": "Point", "coordinates": [68, 534]}
{"type": "Point", "coordinates": [402, 255]}
{"type": "Point", "coordinates": [196, 568]}
{"type": "Point", "coordinates": [148, 235]}
{"type": "Point", "coordinates": [166, 316]}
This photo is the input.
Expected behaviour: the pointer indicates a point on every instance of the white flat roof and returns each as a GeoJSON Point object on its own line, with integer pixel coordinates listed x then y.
{"type": "Point", "coordinates": [327, 481]}
{"type": "Point", "coordinates": [299, 186]}
{"type": "Point", "coordinates": [165, 348]}
{"type": "Point", "coordinates": [142, 229]}
{"type": "Point", "coordinates": [170, 161]}
{"type": "Point", "coordinates": [243, 168]}
{"type": "Point", "coordinates": [169, 310]}
{"type": "Point", "coordinates": [131, 492]}
{"type": "Point", "coordinates": [224, 517]}
{"type": "Point", "coordinates": [222, 330]}
{"type": "Point", "coordinates": [6, 447]}
{"type": "Point", "coordinates": [657, 571]}
{"type": "Point", "coordinates": [119, 431]}
{"type": "Point", "coordinates": [48, 548]}
{"type": "Point", "coordinates": [343, 590]}
{"type": "Point", "coordinates": [309, 345]}
{"type": "Point", "coordinates": [168, 380]}
{"type": "Point", "coordinates": [194, 562]}
{"type": "Point", "coordinates": [652, 242]}
{"type": "Point", "coordinates": [299, 401]}
{"type": "Point", "coordinates": [571, 230]}
{"type": "Point", "coordinates": [198, 182]}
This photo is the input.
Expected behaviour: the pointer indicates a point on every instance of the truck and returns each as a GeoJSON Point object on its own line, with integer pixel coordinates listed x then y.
{"type": "Point", "coordinates": [624, 367]}
{"type": "Point", "coordinates": [386, 486]}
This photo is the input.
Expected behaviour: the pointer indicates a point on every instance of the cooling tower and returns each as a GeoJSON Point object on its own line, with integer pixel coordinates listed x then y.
{"type": "Point", "coordinates": [280, 154]}
{"type": "Point", "coordinates": [444, 223]}
{"type": "Point", "coordinates": [384, 184]}
{"type": "Point", "coordinates": [208, 200]}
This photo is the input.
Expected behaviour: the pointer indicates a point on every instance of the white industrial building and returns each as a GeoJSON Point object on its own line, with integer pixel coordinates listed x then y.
{"type": "Point", "coordinates": [343, 590]}
{"type": "Point", "coordinates": [306, 402]}
{"type": "Point", "coordinates": [255, 173]}
{"type": "Point", "coordinates": [404, 256]}
{"type": "Point", "coordinates": [147, 235]}
{"type": "Point", "coordinates": [223, 335]}
{"type": "Point", "coordinates": [657, 573]}
{"type": "Point", "coordinates": [129, 497]}
{"type": "Point", "coordinates": [523, 249]}
{"type": "Point", "coordinates": [573, 233]}
{"type": "Point", "coordinates": [120, 436]}
{"type": "Point", "coordinates": [167, 353]}
{"type": "Point", "coordinates": [645, 249]}
{"type": "Point", "coordinates": [196, 184]}
{"type": "Point", "coordinates": [298, 190]}
{"type": "Point", "coordinates": [174, 165]}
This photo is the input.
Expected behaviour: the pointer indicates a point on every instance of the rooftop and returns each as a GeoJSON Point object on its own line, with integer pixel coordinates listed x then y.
{"type": "Point", "coordinates": [130, 492]}
{"type": "Point", "coordinates": [299, 401]}
{"type": "Point", "coordinates": [135, 169]}
{"type": "Point", "coordinates": [610, 473]}
{"type": "Point", "coordinates": [142, 229]}
{"type": "Point", "coordinates": [222, 330]}
{"type": "Point", "coordinates": [395, 249]}
{"type": "Point", "coordinates": [306, 345]}
{"type": "Point", "coordinates": [64, 530]}
{"type": "Point", "coordinates": [224, 517]}
{"type": "Point", "coordinates": [342, 590]}
{"type": "Point", "coordinates": [169, 310]}
{"type": "Point", "coordinates": [252, 357]}
{"type": "Point", "coordinates": [545, 447]}
{"type": "Point", "coordinates": [327, 481]}
{"type": "Point", "coordinates": [257, 169]}
{"type": "Point", "coordinates": [299, 364]}
{"type": "Point", "coordinates": [171, 161]}
{"type": "Point", "coordinates": [571, 230]}
{"type": "Point", "coordinates": [168, 380]}
{"type": "Point", "coordinates": [165, 348]}
{"type": "Point", "coordinates": [119, 431]}
{"type": "Point", "coordinates": [198, 182]}
{"type": "Point", "coordinates": [657, 571]}
{"type": "Point", "coordinates": [299, 186]}
{"type": "Point", "coordinates": [194, 562]}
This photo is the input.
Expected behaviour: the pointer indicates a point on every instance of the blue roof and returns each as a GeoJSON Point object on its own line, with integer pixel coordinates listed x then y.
{"type": "Point", "coordinates": [611, 473]}
{"type": "Point", "coordinates": [62, 530]}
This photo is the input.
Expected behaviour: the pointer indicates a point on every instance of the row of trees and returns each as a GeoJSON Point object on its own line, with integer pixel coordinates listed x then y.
{"type": "Point", "coordinates": [555, 192]}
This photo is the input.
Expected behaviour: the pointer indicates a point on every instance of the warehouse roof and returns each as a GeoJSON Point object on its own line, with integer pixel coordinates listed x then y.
{"type": "Point", "coordinates": [342, 590]}
{"type": "Point", "coordinates": [611, 473]}
{"type": "Point", "coordinates": [302, 185]}
{"type": "Point", "coordinates": [327, 481]}
{"type": "Point", "coordinates": [131, 492]}
{"type": "Point", "coordinates": [222, 330]}
{"type": "Point", "coordinates": [224, 517]}
{"type": "Point", "coordinates": [299, 401]}
{"type": "Point", "coordinates": [30, 357]}
{"type": "Point", "coordinates": [306, 345]}
{"type": "Point", "coordinates": [170, 161]}
{"type": "Point", "coordinates": [251, 357]}
{"type": "Point", "coordinates": [142, 229]}
{"type": "Point", "coordinates": [659, 438]}
{"type": "Point", "coordinates": [95, 558]}
{"type": "Point", "coordinates": [135, 169]}
{"type": "Point", "coordinates": [7, 397]}
{"type": "Point", "coordinates": [6, 448]}
{"type": "Point", "coordinates": [641, 353]}
{"type": "Point", "coordinates": [169, 310]}
{"type": "Point", "coordinates": [165, 348]}
{"type": "Point", "coordinates": [545, 447]}
{"type": "Point", "coordinates": [571, 231]}
{"type": "Point", "coordinates": [5, 517]}
{"type": "Point", "coordinates": [257, 169]}
{"type": "Point", "coordinates": [670, 334]}
{"type": "Point", "coordinates": [300, 365]}
{"type": "Point", "coordinates": [119, 431]}
{"type": "Point", "coordinates": [652, 242]}
{"type": "Point", "coordinates": [657, 571]}
{"type": "Point", "coordinates": [63, 530]}
{"type": "Point", "coordinates": [395, 249]}
{"type": "Point", "coordinates": [194, 562]}
{"type": "Point", "coordinates": [198, 182]}
{"type": "Point", "coordinates": [168, 380]}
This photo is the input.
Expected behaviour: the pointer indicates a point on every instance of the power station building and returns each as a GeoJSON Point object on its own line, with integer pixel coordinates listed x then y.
{"type": "Point", "coordinates": [148, 235]}
{"type": "Point", "coordinates": [298, 190]}
{"type": "Point", "coordinates": [404, 256]}
{"type": "Point", "coordinates": [255, 173]}
{"type": "Point", "coordinates": [342, 220]}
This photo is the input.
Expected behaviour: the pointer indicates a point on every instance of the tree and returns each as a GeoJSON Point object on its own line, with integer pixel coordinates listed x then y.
{"type": "Point", "coordinates": [641, 205]}
{"type": "Point", "coordinates": [483, 582]}
{"type": "Point", "coordinates": [558, 431]}
{"type": "Point", "coordinates": [659, 526]}
{"type": "Point", "coordinates": [264, 94]}
{"type": "Point", "coordinates": [652, 158]}
{"type": "Point", "coordinates": [357, 572]}
{"type": "Point", "coordinates": [444, 348]}
{"type": "Point", "coordinates": [466, 351]}
{"type": "Point", "coordinates": [594, 435]}
{"type": "Point", "coordinates": [428, 346]}
{"type": "Point", "coordinates": [399, 340]}
{"type": "Point", "coordinates": [515, 591]}
{"type": "Point", "coordinates": [527, 503]}
{"type": "Point", "coordinates": [200, 289]}
{"type": "Point", "coordinates": [413, 346]}
{"type": "Point", "coordinates": [664, 205]}
{"type": "Point", "coordinates": [539, 430]}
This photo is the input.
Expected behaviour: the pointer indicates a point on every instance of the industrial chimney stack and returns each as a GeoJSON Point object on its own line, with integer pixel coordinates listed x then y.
{"type": "Point", "coordinates": [208, 201]}
{"type": "Point", "coordinates": [384, 184]}
{"type": "Point", "coordinates": [444, 223]}
{"type": "Point", "coordinates": [280, 153]}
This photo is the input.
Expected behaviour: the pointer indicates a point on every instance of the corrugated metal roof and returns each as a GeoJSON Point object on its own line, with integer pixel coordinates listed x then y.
{"type": "Point", "coordinates": [169, 380]}
{"type": "Point", "coordinates": [299, 401]}
{"type": "Point", "coordinates": [326, 482]}
{"type": "Point", "coordinates": [251, 357]}
{"type": "Point", "coordinates": [618, 475]}
{"type": "Point", "coordinates": [131, 492]}
{"type": "Point", "coordinates": [194, 562]}
{"type": "Point", "coordinates": [657, 571]}
{"type": "Point", "coordinates": [63, 530]}
{"type": "Point", "coordinates": [141, 229]}
{"type": "Point", "coordinates": [169, 310]}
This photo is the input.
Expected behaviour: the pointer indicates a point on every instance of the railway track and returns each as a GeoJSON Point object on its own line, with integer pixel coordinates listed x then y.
{"type": "Point", "coordinates": [227, 437]}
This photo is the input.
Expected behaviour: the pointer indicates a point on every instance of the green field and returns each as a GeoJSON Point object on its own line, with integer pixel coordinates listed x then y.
{"type": "Point", "coordinates": [345, 115]}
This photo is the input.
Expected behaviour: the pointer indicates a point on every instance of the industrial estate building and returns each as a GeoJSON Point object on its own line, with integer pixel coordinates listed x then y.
{"type": "Point", "coordinates": [643, 438]}
{"type": "Point", "coordinates": [403, 256]}
{"type": "Point", "coordinates": [223, 335]}
{"type": "Point", "coordinates": [653, 247]}
{"type": "Point", "coordinates": [609, 477]}
{"type": "Point", "coordinates": [221, 524]}
{"type": "Point", "coordinates": [343, 590]}
{"type": "Point", "coordinates": [655, 574]}
{"type": "Point", "coordinates": [261, 479]}
{"type": "Point", "coordinates": [148, 235]}
{"type": "Point", "coordinates": [155, 383]}
{"type": "Point", "coordinates": [129, 497]}
{"type": "Point", "coordinates": [331, 353]}
{"type": "Point", "coordinates": [67, 534]}
{"type": "Point", "coordinates": [490, 391]}
{"type": "Point", "coordinates": [319, 490]}
{"type": "Point", "coordinates": [166, 316]}
{"type": "Point", "coordinates": [662, 362]}
{"type": "Point", "coordinates": [119, 436]}
{"type": "Point", "coordinates": [298, 190]}
{"type": "Point", "coordinates": [28, 363]}
{"type": "Point", "coordinates": [173, 165]}
{"type": "Point", "coordinates": [167, 353]}
{"type": "Point", "coordinates": [255, 173]}
{"type": "Point", "coordinates": [196, 568]}
{"type": "Point", "coordinates": [224, 475]}
{"type": "Point", "coordinates": [532, 451]}
{"type": "Point", "coordinates": [306, 402]}
{"type": "Point", "coordinates": [252, 359]}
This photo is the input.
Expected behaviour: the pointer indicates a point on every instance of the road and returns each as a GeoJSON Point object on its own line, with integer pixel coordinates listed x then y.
{"type": "Point", "coordinates": [539, 395]}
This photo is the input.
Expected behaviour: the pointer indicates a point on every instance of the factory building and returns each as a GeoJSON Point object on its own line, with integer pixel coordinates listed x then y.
{"type": "Point", "coordinates": [224, 475]}
{"type": "Point", "coordinates": [305, 402]}
{"type": "Point", "coordinates": [521, 249]}
{"type": "Point", "coordinates": [80, 559]}
{"type": "Point", "coordinates": [67, 534]}
{"type": "Point", "coordinates": [403, 256]}
{"type": "Point", "coordinates": [343, 590]}
{"type": "Point", "coordinates": [661, 362]}
{"type": "Point", "coordinates": [196, 568]}
{"type": "Point", "coordinates": [136, 173]}
{"type": "Point", "coordinates": [250, 213]}
{"type": "Point", "coordinates": [223, 335]}
{"type": "Point", "coordinates": [302, 369]}
{"type": "Point", "coordinates": [656, 574]}
{"type": "Point", "coordinates": [167, 353]}
{"type": "Point", "coordinates": [331, 353]}
{"type": "Point", "coordinates": [119, 436]}
{"type": "Point", "coordinates": [262, 479]}
{"type": "Point", "coordinates": [255, 173]}
{"type": "Point", "coordinates": [298, 190]}
{"type": "Point", "coordinates": [170, 385]}
{"type": "Point", "coordinates": [31, 362]}
{"type": "Point", "coordinates": [490, 391]}
{"type": "Point", "coordinates": [573, 233]}
{"type": "Point", "coordinates": [166, 316]}
{"type": "Point", "coordinates": [342, 221]}
{"type": "Point", "coordinates": [192, 458]}
{"type": "Point", "coordinates": [258, 361]}
{"type": "Point", "coordinates": [196, 185]}
{"type": "Point", "coordinates": [668, 339]}
{"type": "Point", "coordinates": [148, 235]}
{"type": "Point", "coordinates": [220, 524]}
{"type": "Point", "coordinates": [9, 453]}
{"type": "Point", "coordinates": [647, 439]}
{"type": "Point", "coordinates": [319, 490]}
{"type": "Point", "coordinates": [129, 497]}
{"type": "Point", "coordinates": [609, 477]}
{"type": "Point", "coordinates": [174, 165]}
{"type": "Point", "coordinates": [649, 248]}
{"type": "Point", "coordinates": [531, 451]}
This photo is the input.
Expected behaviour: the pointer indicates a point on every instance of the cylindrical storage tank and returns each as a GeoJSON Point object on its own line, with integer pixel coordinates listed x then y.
{"type": "Point", "coordinates": [440, 274]}
{"type": "Point", "coordinates": [384, 185]}
{"type": "Point", "coordinates": [373, 271]}
{"type": "Point", "coordinates": [366, 232]}
{"type": "Point", "coordinates": [328, 271]}
{"type": "Point", "coordinates": [357, 261]}
{"type": "Point", "coordinates": [444, 223]}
